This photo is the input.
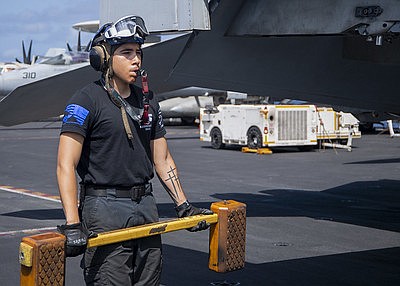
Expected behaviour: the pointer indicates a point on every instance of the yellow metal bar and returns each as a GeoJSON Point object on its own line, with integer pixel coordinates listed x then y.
{"type": "Point", "coordinates": [149, 229]}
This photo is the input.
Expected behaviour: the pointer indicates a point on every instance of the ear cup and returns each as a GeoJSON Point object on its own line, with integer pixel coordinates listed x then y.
{"type": "Point", "coordinates": [98, 57]}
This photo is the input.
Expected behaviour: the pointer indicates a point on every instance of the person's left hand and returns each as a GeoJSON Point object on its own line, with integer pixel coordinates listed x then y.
{"type": "Point", "coordinates": [187, 209]}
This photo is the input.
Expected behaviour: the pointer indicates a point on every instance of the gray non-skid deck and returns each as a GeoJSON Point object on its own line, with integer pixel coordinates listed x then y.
{"type": "Point", "coordinates": [323, 217]}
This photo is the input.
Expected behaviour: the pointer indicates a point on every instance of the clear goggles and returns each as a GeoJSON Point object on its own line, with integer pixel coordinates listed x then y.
{"type": "Point", "coordinates": [125, 28]}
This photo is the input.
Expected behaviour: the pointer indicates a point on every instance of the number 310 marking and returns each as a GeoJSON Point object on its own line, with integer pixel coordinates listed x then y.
{"type": "Point", "coordinates": [28, 75]}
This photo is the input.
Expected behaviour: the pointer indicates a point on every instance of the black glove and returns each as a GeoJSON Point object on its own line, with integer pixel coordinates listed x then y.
{"type": "Point", "coordinates": [186, 209]}
{"type": "Point", "coordinates": [76, 238]}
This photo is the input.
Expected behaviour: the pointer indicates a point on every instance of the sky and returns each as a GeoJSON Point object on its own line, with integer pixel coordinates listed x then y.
{"type": "Point", "coordinates": [48, 23]}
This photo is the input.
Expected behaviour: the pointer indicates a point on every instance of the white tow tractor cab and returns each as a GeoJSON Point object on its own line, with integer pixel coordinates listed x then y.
{"type": "Point", "coordinates": [258, 126]}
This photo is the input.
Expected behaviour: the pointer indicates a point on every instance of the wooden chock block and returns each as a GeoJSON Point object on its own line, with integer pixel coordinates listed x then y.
{"type": "Point", "coordinates": [42, 259]}
{"type": "Point", "coordinates": [228, 236]}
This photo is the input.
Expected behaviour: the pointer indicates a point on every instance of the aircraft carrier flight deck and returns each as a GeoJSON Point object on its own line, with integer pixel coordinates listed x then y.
{"type": "Point", "coordinates": [320, 217]}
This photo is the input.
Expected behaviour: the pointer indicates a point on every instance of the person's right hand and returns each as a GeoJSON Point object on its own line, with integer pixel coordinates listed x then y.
{"type": "Point", "coordinates": [76, 238]}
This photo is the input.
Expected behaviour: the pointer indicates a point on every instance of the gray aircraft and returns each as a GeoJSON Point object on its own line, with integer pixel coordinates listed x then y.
{"type": "Point", "coordinates": [56, 61]}
{"type": "Point", "coordinates": [333, 52]}
{"type": "Point", "coordinates": [186, 103]}
{"type": "Point", "coordinates": [27, 60]}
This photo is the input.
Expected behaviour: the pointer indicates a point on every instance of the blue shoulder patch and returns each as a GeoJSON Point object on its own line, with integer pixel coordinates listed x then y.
{"type": "Point", "coordinates": [75, 114]}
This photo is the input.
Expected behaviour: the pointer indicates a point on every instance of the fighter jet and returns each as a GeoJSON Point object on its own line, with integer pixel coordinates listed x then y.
{"type": "Point", "coordinates": [54, 62]}
{"type": "Point", "coordinates": [17, 64]}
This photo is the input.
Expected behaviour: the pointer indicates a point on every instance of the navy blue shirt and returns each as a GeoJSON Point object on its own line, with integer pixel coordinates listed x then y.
{"type": "Point", "coordinates": [108, 157]}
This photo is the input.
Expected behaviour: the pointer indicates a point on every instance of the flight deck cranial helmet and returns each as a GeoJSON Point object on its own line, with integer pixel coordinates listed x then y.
{"type": "Point", "coordinates": [129, 29]}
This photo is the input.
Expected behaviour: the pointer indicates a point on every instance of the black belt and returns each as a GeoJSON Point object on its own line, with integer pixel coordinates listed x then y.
{"type": "Point", "coordinates": [135, 192]}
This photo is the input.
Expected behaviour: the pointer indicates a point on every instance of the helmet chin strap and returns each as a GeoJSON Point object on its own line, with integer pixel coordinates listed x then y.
{"type": "Point", "coordinates": [139, 115]}
{"type": "Point", "coordinates": [116, 99]}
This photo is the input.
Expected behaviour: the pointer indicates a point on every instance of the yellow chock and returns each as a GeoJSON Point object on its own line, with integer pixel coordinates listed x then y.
{"type": "Point", "coordinates": [258, 150]}
{"type": "Point", "coordinates": [264, 151]}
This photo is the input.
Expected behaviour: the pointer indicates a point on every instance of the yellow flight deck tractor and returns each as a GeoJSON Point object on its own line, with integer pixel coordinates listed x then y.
{"type": "Point", "coordinates": [259, 126]}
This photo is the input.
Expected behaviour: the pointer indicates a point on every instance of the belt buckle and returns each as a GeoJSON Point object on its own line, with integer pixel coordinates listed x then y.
{"type": "Point", "coordinates": [136, 193]}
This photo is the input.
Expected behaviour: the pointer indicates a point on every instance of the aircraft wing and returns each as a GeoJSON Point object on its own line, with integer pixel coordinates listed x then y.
{"type": "Point", "coordinates": [44, 98]}
{"type": "Point", "coordinates": [159, 62]}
